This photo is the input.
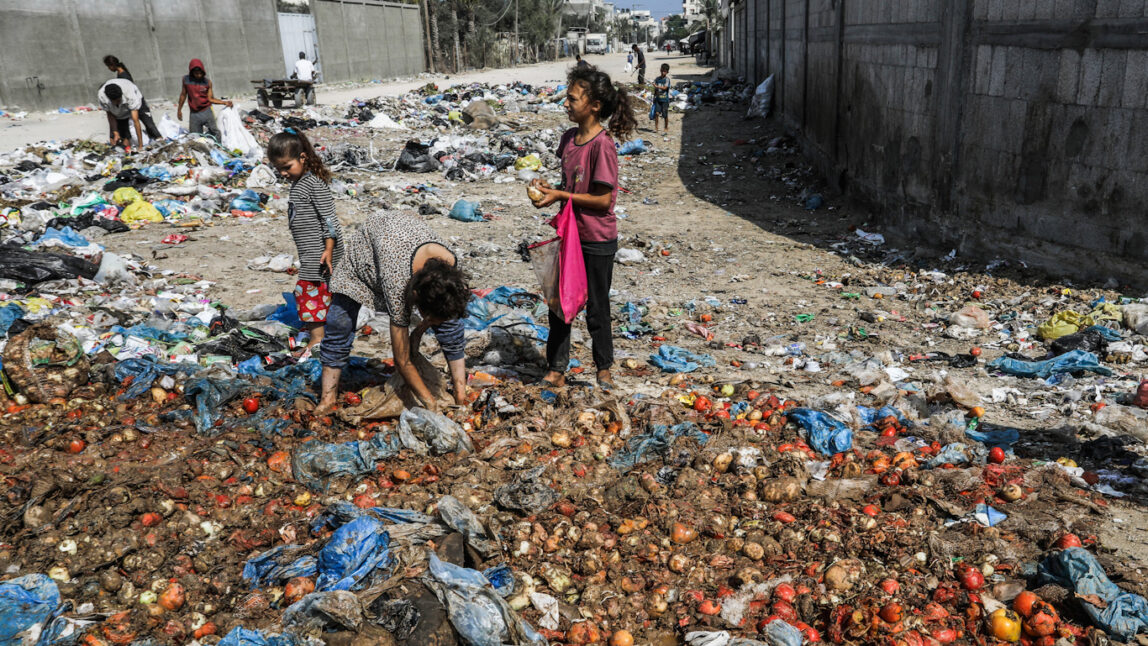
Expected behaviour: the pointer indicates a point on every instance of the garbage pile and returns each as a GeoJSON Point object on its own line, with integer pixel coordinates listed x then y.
{"type": "Point", "coordinates": [928, 459]}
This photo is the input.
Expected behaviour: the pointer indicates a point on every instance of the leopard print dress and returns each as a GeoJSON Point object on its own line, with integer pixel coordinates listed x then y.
{"type": "Point", "coordinates": [377, 259]}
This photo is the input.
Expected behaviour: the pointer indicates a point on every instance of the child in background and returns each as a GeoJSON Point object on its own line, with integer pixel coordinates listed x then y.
{"type": "Point", "coordinates": [630, 63]}
{"type": "Point", "coordinates": [590, 181]}
{"type": "Point", "coordinates": [314, 226]}
{"type": "Point", "coordinates": [662, 98]}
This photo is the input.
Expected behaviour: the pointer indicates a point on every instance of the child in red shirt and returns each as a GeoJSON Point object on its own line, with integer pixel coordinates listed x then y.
{"type": "Point", "coordinates": [590, 181]}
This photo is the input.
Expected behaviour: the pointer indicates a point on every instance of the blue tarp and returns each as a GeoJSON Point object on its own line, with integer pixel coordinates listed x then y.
{"type": "Point", "coordinates": [28, 601]}
{"type": "Point", "coordinates": [240, 636]}
{"type": "Point", "coordinates": [824, 433]}
{"type": "Point", "coordinates": [1074, 361]}
{"type": "Point", "coordinates": [1125, 615]}
{"type": "Point", "coordinates": [276, 565]}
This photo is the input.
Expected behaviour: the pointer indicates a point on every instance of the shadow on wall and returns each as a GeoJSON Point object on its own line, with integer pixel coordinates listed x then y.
{"type": "Point", "coordinates": [753, 170]}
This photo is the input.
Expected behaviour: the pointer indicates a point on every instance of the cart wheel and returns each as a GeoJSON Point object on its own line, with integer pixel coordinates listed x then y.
{"type": "Point", "coordinates": [262, 98]}
{"type": "Point", "coordinates": [300, 98]}
{"type": "Point", "coordinates": [311, 96]}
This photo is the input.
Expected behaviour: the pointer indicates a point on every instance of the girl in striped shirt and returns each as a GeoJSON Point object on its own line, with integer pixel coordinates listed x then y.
{"type": "Point", "coordinates": [314, 226]}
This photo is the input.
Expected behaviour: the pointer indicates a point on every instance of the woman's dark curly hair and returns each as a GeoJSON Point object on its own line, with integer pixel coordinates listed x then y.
{"type": "Point", "coordinates": [617, 106]}
{"type": "Point", "coordinates": [440, 290]}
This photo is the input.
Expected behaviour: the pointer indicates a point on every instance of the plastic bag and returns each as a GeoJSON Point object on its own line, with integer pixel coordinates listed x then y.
{"type": "Point", "coordinates": [531, 162]}
{"type": "Point", "coordinates": [34, 267]}
{"type": "Point", "coordinates": [322, 611]}
{"type": "Point", "coordinates": [1069, 362]}
{"type": "Point", "coordinates": [481, 617]}
{"type": "Point", "coordinates": [126, 195]}
{"type": "Point", "coordinates": [277, 565]}
{"type": "Point", "coordinates": [279, 263]}
{"type": "Point", "coordinates": [655, 443]}
{"type": "Point", "coordinates": [527, 493]}
{"type": "Point", "coordinates": [560, 267]}
{"type": "Point", "coordinates": [416, 158]}
{"type": "Point", "coordinates": [762, 100]}
{"type": "Point", "coordinates": [261, 177]}
{"type": "Point", "coordinates": [9, 314]}
{"type": "Point", "coordinates": [419, 425]}
{"type": "Point", "coordinates": [170, 207]}
{"type": "Point", "coordinates": [232, 133]}
{"type": "Point", "coordinates": [1062, 324]}
{"type": "Point", "coordinates": [1090, 339]}
{"type": "Point", "coordinates": [169, 128]}
{"type": "Point", "coordinates": [633, 147]}
{"type": "Point", "coordinates": [316, 464]}
{"type": "Point", "coordinates": [248, 200]}
{"type": "Point", "coordinates": [464, 211]}
{"type": "Point", "coordinates": [479, 115]}
{"type": "Point", "coordinates": [240, 636]}
{"type": "Point", "coordinates": [140, 211]}
{"type": "Point", "coordinates": [825, 434]}
{"type": "Point", "coordinates": [674, 359]}
{"type": "Point", "coordinates": [461, 519]}
{"type": "Point", "coordinates": [355, 555]}
{"type": "Point", "coordinates": [1124, 614]}
{"type": "Point", "coordinates": [970, 316]}
{"type": "Point", "coordinates": [26, 604]}
{"type": "Point", "coordinates": [1136, 317]}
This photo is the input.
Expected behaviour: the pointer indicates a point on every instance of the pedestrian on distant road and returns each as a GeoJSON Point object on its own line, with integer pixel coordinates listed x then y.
{"type": "Point", "coordinates": [197, 91]}
{"type": "Point", "coordinates": [123, 102]}
{"type": "Point", "coordinates": [629, 63]}
{"type": "Point", "coordinates": [579, 62]}
{"type": "Point", "coordinates": [662, 98]}
{"type": "Point", "coordinates": [641, 64]}
{"type": "Point", "coordinates": [590, 182]}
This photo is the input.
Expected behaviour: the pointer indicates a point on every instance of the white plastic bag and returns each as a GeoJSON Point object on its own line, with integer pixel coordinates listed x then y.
{"type": "Point", "coordinates": [114, 270]}
{"type": "Point", "coordinates": [762, 99]}
{"type": "Point", "coordinates": [261, 177]}
{"type": "Point", "coordinates": [169, 128]}
{"type": "Point", "coordinates": [279, 263]}
{"type": "Point", "coordinates": [233, 134]}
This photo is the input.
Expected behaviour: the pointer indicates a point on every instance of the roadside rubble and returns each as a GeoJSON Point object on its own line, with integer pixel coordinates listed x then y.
{"type": "Point", "coordinates": [911, 458]}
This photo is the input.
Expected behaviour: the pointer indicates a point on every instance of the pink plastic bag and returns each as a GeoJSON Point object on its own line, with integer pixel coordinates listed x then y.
{"type": "Point", "coordinates": [560, 268]}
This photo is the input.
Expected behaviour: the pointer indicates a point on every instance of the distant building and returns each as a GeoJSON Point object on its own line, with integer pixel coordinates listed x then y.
{"type": "Point", "coordinates": [692, 10]}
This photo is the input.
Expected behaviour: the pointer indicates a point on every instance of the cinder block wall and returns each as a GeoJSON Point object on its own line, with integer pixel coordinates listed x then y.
{"type": "Point", "coordinates": [368, 39]}
{"type": "Point", "coordinates": [1003, 128]}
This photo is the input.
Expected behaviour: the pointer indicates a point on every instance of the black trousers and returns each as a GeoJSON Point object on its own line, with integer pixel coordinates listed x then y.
{"type": "Point", "coordinates": [599, 275]}
{"type": "Point", "coordinates": [642, 75]}
{"type": "Point", "coordinates": [124, 126]}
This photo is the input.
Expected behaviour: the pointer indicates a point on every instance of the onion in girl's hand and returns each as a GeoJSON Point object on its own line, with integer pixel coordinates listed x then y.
{"type": "Point", "coordinates": [535, 194]}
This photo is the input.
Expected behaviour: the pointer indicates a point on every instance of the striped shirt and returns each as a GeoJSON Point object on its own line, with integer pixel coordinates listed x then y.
{"type": "Point", "coordinates": [311, 217]}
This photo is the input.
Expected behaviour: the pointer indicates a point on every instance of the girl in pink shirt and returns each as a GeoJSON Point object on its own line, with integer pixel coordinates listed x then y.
{"type": "Point", "coordinates": [590, 181]}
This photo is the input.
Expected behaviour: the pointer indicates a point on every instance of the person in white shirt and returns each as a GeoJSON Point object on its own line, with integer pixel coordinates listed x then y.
{"type": "Point", "coordinates": [304, 69]}
{"type": "Point", "coordinates": [123, 102]}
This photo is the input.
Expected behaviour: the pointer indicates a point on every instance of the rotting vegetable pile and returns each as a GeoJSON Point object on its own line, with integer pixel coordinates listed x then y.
{"type": "Point", "coordinates": [166, 483]}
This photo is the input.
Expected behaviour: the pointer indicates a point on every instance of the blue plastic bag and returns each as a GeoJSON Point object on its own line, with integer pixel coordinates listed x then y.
{"type": "Point", "coordinates": [144, 371]}
{"type": "Point", "coordinates": [353, 555]}
{"type": "Point", "coordinates": [1078, 570]}
{"type": "Point", "coordinates": [959, 453]}
{"type": "Point", "coordinates": [825, 434]}
{"type": "Point", "coordinates": [25, 602]}
{"type": "Point", "coordinates": [9, 314]}
{"type": "Point", "coordinates": [316, 463]}
{"type": "Point", "coordinates": [67, 236]}
{"type": "Point", "coordinates": [1003, 438]}
{"type": "Point", "coordinates": [464, 211]}
{"type": "Point", "coordinates": [276, 565]}
{"type": "Point", "coordinates": [655, 443]}
{"type": "Point", "coordinates": [1074, 361]}
{"type": "Point", "coordinates": [170, 207]}
{"type": "Point", "coordinates": [502, 578]}
{"type": "Point", "coordinates": [288, 313]}
{"type": "Point", "coordinates": [674, 359]}
{"type": "Point", "coordinates": [159, 173]}
{"type": "Point", "coordinates": [633, 147]}
{"type": "Point", "coordinates": [248, 200]}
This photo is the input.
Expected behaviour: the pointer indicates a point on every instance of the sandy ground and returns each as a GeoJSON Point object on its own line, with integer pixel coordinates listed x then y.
{"type": "Point", "coordinates": [715, 216]}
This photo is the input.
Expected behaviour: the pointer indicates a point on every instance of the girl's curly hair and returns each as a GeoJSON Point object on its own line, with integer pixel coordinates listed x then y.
{"type": "Point", "coordinates": [617, 105]}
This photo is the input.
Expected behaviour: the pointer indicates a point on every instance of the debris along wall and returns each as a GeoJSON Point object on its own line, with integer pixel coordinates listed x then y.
{"type": "Point", "coordinates": [368, 39]}
{"type": "Point", "coordinates": [1001, 128]}
{"type": "Point", "coordinates": [54, 49]}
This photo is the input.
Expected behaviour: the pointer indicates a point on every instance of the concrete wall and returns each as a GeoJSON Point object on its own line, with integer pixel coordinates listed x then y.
{"type": "Point", "coordinates": [1002, 128]}
{"type": "Point", "coordinates": [363, 40]}
{"type": "Point", "coordinates": [53, 49]}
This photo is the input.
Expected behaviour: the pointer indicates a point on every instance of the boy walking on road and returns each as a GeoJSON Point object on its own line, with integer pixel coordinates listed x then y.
{"type": "Point", "coordinates": [197, 91]}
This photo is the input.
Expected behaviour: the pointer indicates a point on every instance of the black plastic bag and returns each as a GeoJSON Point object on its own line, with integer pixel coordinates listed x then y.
{"type": "Point", "coordinates": [32, 267]}
{"type": "Point", "coordinates": [398, 616]}
{"type": "Point", "coordinates": [1087, 340]}
{"type": "Point", "coordinates": [416, 158]}
{"type": "Point", "coordinates": [128, 177]}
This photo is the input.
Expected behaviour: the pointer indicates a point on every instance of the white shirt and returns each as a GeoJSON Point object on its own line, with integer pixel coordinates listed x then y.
{"type": "Point", "coordinates": [132, 99]}
{"type": "Point", "coordinates": [304, 70]}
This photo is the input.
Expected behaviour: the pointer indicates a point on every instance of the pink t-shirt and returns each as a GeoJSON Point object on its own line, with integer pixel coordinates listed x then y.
{"type": "Point", "coordinates": [594, 162]}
